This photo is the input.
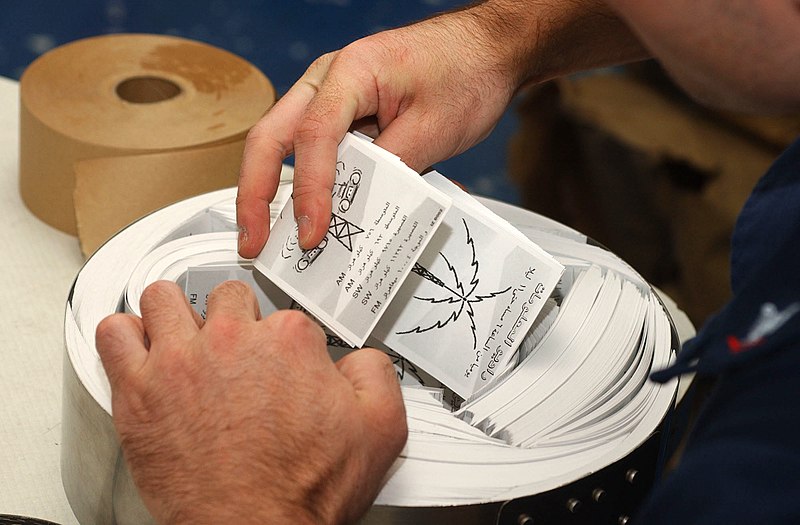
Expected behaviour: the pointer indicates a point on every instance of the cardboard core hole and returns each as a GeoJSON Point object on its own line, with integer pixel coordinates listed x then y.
{"type": "Point", "coordinates": [147, 90]}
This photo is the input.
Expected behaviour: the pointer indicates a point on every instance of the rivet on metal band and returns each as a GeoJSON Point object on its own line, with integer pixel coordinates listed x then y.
{"type": "Point", "coordinates": [524, 519]}
{"type": "Point", "coordinates": [631, 475]}
{"type": "Point", "coordinates": [573, 505]}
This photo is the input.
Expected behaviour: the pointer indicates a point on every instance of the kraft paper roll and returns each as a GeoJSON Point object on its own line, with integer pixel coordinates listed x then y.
{"type": "Point", "coordinates": [113, 127]}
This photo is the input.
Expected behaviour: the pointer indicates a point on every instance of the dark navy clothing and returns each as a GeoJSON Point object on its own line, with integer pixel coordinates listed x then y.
{"type": "Point", "coordinates": [742, 461]}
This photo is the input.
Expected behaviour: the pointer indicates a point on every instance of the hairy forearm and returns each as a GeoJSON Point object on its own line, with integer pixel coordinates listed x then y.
{"type": "Point", "coordinates": [537, 40]}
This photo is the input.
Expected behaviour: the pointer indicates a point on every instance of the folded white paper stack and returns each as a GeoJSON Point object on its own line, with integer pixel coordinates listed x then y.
{"type": "Point", "coordinates": [426, 269]}
{"type": "Point", "coordinates": [574, 396]}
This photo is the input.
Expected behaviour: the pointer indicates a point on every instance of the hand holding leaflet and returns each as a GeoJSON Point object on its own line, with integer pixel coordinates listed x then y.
{"type": "Point", "coordinates": [383, 217]}
{"type": "Point", "coordinates": [455, 299]}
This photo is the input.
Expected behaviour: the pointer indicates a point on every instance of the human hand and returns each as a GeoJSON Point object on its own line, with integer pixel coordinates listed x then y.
{"type": "Point", "coordinates": [237, 420]}
{"type": "Point", "coordinates": [427, 92]}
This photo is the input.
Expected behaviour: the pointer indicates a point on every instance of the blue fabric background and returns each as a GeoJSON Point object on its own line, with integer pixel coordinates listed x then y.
{"type": "Point", "coordinates": [281, 38]}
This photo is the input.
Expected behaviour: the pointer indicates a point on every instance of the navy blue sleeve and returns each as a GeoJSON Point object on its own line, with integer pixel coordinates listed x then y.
{"type": "Point", "coordinates": [742, 461]}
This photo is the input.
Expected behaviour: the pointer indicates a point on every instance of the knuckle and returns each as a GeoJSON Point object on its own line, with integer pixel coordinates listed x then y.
{"type": "Point", "coordinates": [241, 198]}
{"type": "Point", "coordinates": [310, 130]}
{"type": "Point", "coordinates": [309, 182]}
{"type": "Point", "coordinates": [290, 320]}
{"type": "Point", "coordinates": [391, 418]}
{"type": "Point", "coordinates": [306, 188]}
{"type": "Point", "coordinates": [260, 137]}
{"type": "Point", "coordinates": [322, 62]}
{"type": "Point", "coordinates": [160, 291]}
{"type": "Point", "coordinates": [295, 324]}
{"type": "Point", "coordinates": [223, 332]}
{"type": "Point", "coordinates": [380, 357]}
{"type": "Point", "coordinates": [381, 362]}
{"type": "Point", "coordinates": [234, 292]}
{"type": "Point", "coordinates": [233, 288]}
{"type": "Point", "coordinates": [107, 330]}
{"type": "Point", "coordinates": [394, 425]}
{"type": "Point", "coordinates": [399, 433]}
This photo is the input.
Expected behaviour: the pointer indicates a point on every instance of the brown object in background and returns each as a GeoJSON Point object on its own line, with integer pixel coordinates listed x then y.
{"type": "Point", "coordinates": [114, 127]}
{"type": "Point", "coordinates": [654, 177]}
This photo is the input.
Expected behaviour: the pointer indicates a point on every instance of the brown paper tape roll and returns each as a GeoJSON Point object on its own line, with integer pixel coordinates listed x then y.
{"type": "Point", "coordinates": [113, 127]}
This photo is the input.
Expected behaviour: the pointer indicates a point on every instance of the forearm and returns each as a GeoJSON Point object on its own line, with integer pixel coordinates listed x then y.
{"type": "Point", "coordinates": [434, 88]}
{"type": "Point", "coordinates": [537, 40]}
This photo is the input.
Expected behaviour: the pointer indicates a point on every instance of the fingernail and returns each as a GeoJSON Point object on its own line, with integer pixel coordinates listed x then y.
{"type": "Point", "coordinates": [242, 236]}
{"type": "Point", "coordinates": [303, 229]}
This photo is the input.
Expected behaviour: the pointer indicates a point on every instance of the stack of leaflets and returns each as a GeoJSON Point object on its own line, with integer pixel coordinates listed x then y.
{"type": "Point", "coordinates": [523, 349]}
{"type": "Point", "coordinates": [420, 265]}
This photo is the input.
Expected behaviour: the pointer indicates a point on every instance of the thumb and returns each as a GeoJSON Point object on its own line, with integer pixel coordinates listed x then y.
{"type": "Point", "coordinates": [120, 340]}
{"type": "Point", "coordinates": [374, 380]}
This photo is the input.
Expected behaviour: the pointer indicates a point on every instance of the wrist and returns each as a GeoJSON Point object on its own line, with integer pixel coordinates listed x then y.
{"type": "Point", "coordinates": [538, 40]}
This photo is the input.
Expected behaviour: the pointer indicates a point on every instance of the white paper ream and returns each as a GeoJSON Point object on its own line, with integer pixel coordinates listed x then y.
{"type": "Point", "coordinates": [383, 217]}
{"type": "Point", "coordinates": [569, 415]}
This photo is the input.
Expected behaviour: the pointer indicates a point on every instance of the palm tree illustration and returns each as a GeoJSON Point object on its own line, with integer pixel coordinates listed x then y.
{"type": "Point", "coordinates": [457, 290]}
